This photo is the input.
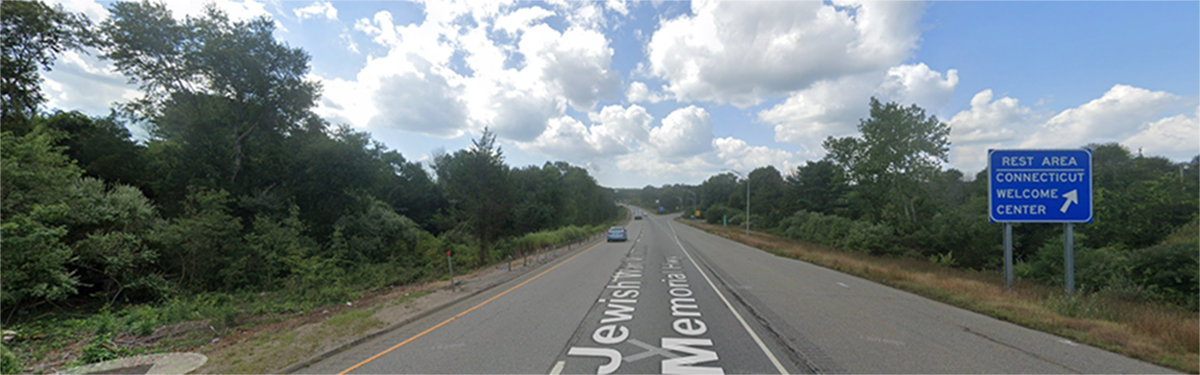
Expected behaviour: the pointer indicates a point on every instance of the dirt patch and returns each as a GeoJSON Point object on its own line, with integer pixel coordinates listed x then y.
{"type": "Point", "coordinates": [268, 348]}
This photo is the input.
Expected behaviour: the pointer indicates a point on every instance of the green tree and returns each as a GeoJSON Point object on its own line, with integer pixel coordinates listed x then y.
{"type": "Point", "coordinates": [476, 179]}
{"type": "Point", "coordinates": [224, 96]}
{"type": "Point", "coordinates": [37, 178]}
{"type": "Point", "coordinates": [197, 247]}
{"type": "Point", "coordinates": [817, 187]}
{"type": "Point", "coordinates": [718, 189]}
{"type": "Point", "coordinates": [1138, 200]}
{"type": "Point", "coordinates": [32, 34]}
{"type": "Point", "coordinates": [64, 233]}
{"type": "Point", "coordinates": [901, 149]}
{"type": "Point", "coordinates": [103, 147]}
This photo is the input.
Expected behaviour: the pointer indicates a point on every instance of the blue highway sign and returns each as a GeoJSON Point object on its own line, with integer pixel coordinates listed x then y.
{"type": "Point", "coordinates": [1040, 186]}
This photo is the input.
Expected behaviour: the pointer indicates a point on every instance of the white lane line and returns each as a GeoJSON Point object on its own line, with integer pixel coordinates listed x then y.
{"type": "Point", "coordinates": [558, 368]}
{"type": "Point", "coordinates": [761, 345]}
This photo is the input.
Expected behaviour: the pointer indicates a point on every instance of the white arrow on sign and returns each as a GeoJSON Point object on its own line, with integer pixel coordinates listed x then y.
{"type": "Point", "coordinates": [1072, 197]}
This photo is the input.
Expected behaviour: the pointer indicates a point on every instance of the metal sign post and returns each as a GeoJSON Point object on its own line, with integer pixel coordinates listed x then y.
{"type": "Point", "coordinates": [451, 264]}
{"type": "Point", "coordinates": [1008, 257]}
{"type": "Point", "coordinates": [1069, 233]}
{"type": "Point", "coordinates": [1040, 186]}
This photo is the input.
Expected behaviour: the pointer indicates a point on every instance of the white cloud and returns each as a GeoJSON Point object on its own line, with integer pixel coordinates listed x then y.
{"type": "Point", "coordinates": [1175, 137]}
{"type": "Point", "coordinates": [1159, 122]}
{"type": "Point", "coordinates": [421, 104]}
{"type": "Point", "coordinates": [514, 86]}
{"type": "Point", "coordinates": [74, 70]}
{"type": "Point", "coordinates": [1116, 115]}
{"type": "Point", "coordinates": [521, 19]}
{"type": "Point", "coordinates": [619, 129]}
{"type": "Point", "coordinates": [918, 84]}
{"type": "Point", "coordinates": [615, 131]}
{"type": "Point", "coordinates": [989, 121]}
{"type": "Point", "coordinates": [834, 107]}
{"type": "Point", "coordinates": [988, 124]}
{"type": "Point", "coordinates": [564, 137]}
{"type": "Point", "coordinates": [639, 93]}
{"type": "Point", "coordinates": [648, 163]}
{"type": "Point", "coordinates": [618, 6]}
{"type": "Point", "coordinates": [739, 155]}
{"type": "Point", "coordinates": [681, 148]}
{"type": "Point", "coordinates": [574, 64]}
{"type": "Point", "coordinates": [742, 52]}
{"type": "Point", "coordinates": [317, 9]}
{"type": "Point", "coordinates": [685, 132]}
{"type": "Point", "coordinates": [349, 41]}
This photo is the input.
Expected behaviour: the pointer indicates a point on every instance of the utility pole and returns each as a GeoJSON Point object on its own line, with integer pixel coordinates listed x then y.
{"type": "Point", "coordinates": [747, 199]}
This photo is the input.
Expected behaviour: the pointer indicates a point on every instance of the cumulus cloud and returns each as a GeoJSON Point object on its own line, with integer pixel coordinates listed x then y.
{"type": "Point", "coordinates": [989, 121]}
{"type": "Point", "coordinates": [986, 125]}
{"type": "Point", "coordinates": [617, 6]}
{"type": "Point", "coordinates": [418, 104]}
{"type": "Point", "coordinates": [574, 64]}
{"type": "Point", "coordinates": [639, 93]}
{"type": "Point", "coordinates": [615, 131]}
{"type": "Point", "coordinates": [1120, 113]}
{"type": "Point", "coordinates": [74, 70]}
{"type": "Point", "coordinates": [737, 154]}
{"type": "Point", "coordinates": [682, 147]}
{"type": "Point", "coordinates": [1174, 137]}
{"type": "Point", "coordinates": [742, 52]}
{"type": "Point", "coordinates": [1158, 122]}
{"type": "Point", "coordinates": [317, 9]}
{"type": "Point", "coordinates": [834, 107]}
{"type": "Point", "coordinates": [521, 19]}
{"type": "Point", "coordinates": [620, 129]}
{"type": "Point", "coordinates": [685, 132]}
{"type": "Point", "coordinates": [518, 86]}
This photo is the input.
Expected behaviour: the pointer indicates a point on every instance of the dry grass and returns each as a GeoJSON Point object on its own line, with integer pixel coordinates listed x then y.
{"type": "Point", "coordinates": [1162, 334]}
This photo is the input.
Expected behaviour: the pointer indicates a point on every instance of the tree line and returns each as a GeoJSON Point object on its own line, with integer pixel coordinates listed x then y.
{"type": "Point", "coordinates": [886, 192]}
{"type": "Point", "coordinates": [239, 186]}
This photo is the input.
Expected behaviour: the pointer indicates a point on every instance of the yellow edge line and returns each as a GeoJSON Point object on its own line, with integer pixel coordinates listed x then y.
{"type": "Point", "coordinates": [389, 350]}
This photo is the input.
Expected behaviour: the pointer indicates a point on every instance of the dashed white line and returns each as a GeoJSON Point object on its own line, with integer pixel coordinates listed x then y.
{"type": "Point", "coordinates": [558, 367]}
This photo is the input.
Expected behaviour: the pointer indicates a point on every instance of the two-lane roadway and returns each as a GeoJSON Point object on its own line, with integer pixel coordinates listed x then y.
{"type": "Point", "coordinates": [674, 299]}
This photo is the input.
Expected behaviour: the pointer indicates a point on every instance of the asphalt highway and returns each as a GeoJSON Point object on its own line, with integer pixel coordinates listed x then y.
{"type": "Point", "coordinates": [673, 299]}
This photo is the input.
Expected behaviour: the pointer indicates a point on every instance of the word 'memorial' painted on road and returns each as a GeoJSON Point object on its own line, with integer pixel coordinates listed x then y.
{"type": "Point", "coordinates": [687, 323]}
{"type": "Point", "coordinates": [1040, 186]}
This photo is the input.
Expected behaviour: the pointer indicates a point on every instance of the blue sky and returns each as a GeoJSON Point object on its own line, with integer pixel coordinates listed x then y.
{"type": "Point", "coordinates": [651, 93]}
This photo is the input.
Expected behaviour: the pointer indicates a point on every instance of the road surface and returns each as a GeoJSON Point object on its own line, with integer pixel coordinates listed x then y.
{"type": "Point", "coordinates": [674, 299]}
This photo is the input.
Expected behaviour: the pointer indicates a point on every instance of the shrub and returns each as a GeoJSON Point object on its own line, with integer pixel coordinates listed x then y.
{"type": "Point", "coordinates": [839, 232]}
{"type": "Point", "coordinates": [874, 239]}
{"type": "Point", "coordinates": [1095, 269]}
{"type": "Point", "coordinates": [1168, 271]}
{"type": "Point", "coordinates": [10, 363]}
{"type": "Point", "coordinates": [717, 213]}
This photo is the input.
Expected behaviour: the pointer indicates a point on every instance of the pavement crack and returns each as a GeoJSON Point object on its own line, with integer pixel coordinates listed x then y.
{"type": "Point", "coordinates": [1013, 347]}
